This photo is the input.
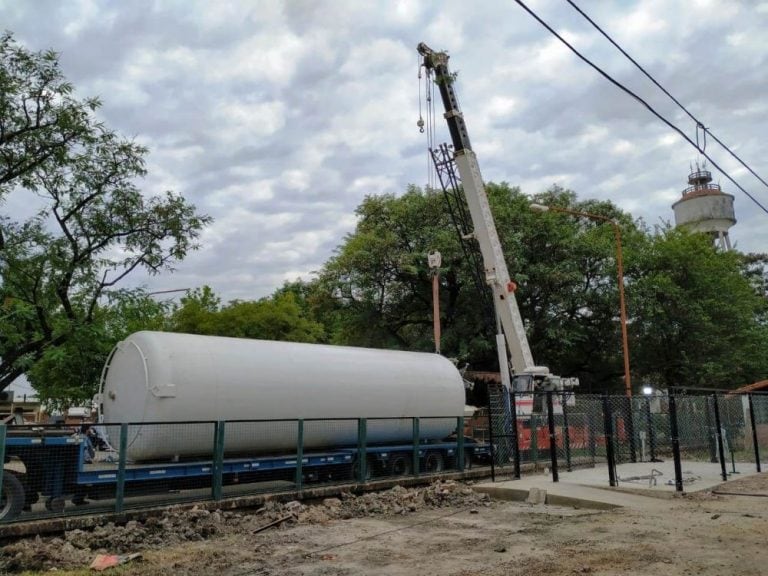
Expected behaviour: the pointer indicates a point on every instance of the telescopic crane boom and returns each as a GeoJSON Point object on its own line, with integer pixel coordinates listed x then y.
{"type": "Point", "coordinates": [527, 374]}
{"type": "Point", "coordinates": [496, 273]}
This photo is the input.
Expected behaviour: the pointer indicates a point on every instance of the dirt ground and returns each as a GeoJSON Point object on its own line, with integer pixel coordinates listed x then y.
{"type": "Point", "coordinates": [443, 529]}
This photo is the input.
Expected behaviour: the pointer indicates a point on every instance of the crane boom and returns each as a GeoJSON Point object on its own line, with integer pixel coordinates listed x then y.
{"type": "Point", "coordinates": [495, 267]}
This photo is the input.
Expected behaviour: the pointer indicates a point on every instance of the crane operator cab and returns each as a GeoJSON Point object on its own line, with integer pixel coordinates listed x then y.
{"type": "Point", "coordinates": [529, 388]}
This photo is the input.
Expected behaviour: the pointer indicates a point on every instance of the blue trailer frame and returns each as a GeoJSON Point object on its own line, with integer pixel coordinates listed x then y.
{"type": "Point", "coordinates": [57, 468]}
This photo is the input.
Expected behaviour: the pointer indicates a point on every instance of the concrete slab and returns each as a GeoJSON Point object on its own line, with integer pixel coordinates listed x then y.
{"type": "Point", "coordinates": [644, 484]}
{"type": "Point", "coordinates": [658, 477]}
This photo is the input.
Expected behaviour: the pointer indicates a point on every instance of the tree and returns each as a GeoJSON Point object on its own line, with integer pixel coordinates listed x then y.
{"type": "Point", "coordinates": [95, 227]}
{"type": "Point", "coordinates": [40, 119]}
{"type": "Point", "coordinates": [196, 313]}
{"type": "Point", "coordinates": [698, 319]}
{"type": "Point", "coordinates": [569, 290]}
{"type": "Point", "coordinates": [69, 374]}
{"type": "Point", "coordinates": [279, 317]}
{"type": "Point", "coordinates": [378, 290]}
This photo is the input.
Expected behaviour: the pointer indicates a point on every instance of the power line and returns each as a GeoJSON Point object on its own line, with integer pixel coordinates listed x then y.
{"type": "Point", "coordinates": [699, 123]}
{"type": "Point", "coordinates": [650, 108]}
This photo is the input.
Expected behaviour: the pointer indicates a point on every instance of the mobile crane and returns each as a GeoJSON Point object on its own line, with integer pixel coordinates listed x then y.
{"type": "Point", "coordinates": [526, 377]}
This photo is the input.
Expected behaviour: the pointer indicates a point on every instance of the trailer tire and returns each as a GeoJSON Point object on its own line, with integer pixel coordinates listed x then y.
{"type": "Point", "coordinates": [401, 465]}
{"type": "Point", "coordinates": [31, 495]}
{"type": "Point", "coordinates": [55, 504]}
{"type": "Point", "coordinates": [434, 463]}
{"type": "Point", "coordinates": [12, 501]}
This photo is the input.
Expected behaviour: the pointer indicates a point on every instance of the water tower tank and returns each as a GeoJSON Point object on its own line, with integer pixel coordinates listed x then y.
{"type": "Point", "coordinates": [705, 208]}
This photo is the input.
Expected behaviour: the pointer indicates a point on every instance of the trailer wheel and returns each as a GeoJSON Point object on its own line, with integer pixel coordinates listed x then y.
{"type": "Point", "coordinates": [400, 466]}
{"type": "Point", "coordinates": [55, 504]}
{"type": "Point", "coordinates": [31, 496]}
{"type": "Point", "coordinates": [12, 500]}
{"type": "Point", "coordinates": [370, 471]}
{"type": "Point", "coordinates": [433, 463]}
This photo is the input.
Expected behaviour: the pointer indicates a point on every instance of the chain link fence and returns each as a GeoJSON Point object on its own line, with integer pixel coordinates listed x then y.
{"type": "Point", "coordinates": [556, 431]}
{"type": "Point", "coordinates": [55, 471]}
{"type": "Point", "coordinates": [758, 426]}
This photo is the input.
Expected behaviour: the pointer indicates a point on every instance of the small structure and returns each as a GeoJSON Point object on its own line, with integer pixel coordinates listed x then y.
{"type": "Point", "coordinates": [79, 415]}
{"type": "Point", "coordinates": [21, 409]}
{"type": "Point", "coordinates": [705, 208]}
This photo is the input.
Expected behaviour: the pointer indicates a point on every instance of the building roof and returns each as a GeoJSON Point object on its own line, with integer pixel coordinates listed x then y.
{"type": "Point", "coordinates": [756, 387]}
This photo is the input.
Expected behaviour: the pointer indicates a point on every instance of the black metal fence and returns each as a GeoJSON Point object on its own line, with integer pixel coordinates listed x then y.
{"type": "Point", "coordinates": [556, 431]}
{"type": "Point", "coordinates": [112, 468]}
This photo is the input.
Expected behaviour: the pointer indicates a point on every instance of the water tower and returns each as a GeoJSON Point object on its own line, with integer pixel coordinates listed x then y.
{"type": "Point", "coordinates": [704, 207]}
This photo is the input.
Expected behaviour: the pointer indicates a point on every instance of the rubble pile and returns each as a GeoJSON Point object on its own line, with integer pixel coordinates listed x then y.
{"type": "Point", "coordinates": [177, 525]}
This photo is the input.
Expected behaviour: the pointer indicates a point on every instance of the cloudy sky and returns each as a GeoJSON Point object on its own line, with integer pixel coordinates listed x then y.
{"type": "Point", "coordinates": [277, 118]}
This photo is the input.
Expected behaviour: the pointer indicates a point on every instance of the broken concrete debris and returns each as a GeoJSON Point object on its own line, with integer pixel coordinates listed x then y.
{"type": "Point", "coordinates": [75, 548]}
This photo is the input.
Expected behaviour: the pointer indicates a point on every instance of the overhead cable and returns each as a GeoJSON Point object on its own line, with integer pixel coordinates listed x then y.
{"type": "Point", "coordinates": [699, 123]}
{"type": "Point", "coordinates": [650, 108]}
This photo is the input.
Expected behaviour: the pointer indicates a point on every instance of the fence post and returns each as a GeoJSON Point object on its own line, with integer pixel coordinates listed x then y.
{"type": "Point", "coordinates": [534, 440]}
{"type": "Point", "coordinates": [675, 437]}
{"type": "Point", "coordinates": [515, 438]}
{"type": "Point", "coordinates": [121, 460]}
{"type": "Point", "coordinates": [719, 436]}
{"type": "Point", "coordinates": [754, 432]}
{"type": "Point", "coordinates": [566, 432]}
{"type": "Point", "coordinates": [416, 437]}
{"type": "Point", "coordinates": [711, 442]}
{"type": "Point", "coordinates": [460, 443]}
{"type": "Point", "coordinates": [552, 436]}
{"type": "Point", "coordinates": [3, 429]}
{"type": "Point", "coordinates": [218, 459]}
{"type": "Point", "coordinates": [299, 479]}
{"type": "Point", "coordinates": [362, 453]}
{"type": "Point", "coordinates": [608, 431]}
{"type": "Point", "coordinates": [490, 437]}
{"type": "Point", "coordinates": [651, 431]}
{"type": "Point", "coordinates": [630, 429]}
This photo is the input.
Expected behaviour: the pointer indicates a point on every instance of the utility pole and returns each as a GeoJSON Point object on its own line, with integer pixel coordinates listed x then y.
{"type": "Point", "coordinates": [435, 259]}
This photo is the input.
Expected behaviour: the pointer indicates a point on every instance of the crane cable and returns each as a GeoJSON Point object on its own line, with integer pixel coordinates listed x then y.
{"type": "Point", "coordinates": [650, 108]}
{"type": "Point", "coordinates": [432, 116]}
{"type": "Point", "coordinates": [430, 125]}
{"type": "Point", "coordinates": [699, 124]}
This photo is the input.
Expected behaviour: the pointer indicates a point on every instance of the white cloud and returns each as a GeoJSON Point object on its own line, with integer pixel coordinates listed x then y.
{"type": "Point", "coordinates": [277, 118]}
{"type": "Point", "coordinates": [270, 57]}
{"type": "Point", "coordinates": [623, 147]}
{"type": "Point", "coordinates": [235, 123]}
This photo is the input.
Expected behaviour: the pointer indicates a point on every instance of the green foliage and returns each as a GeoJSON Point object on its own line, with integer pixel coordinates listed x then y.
{"type": "Point", "coordinates": [276, 318]}
{"type": "Point", "coordinates": [196, 312]}
{"type": "Point", "coordinates": [40, 119]}
{"type": "Point", "coordinates": [697, 318]}
{"type": "Point", "coordinates": [376, 291]}
{"type": "Point", "coordinates": [95, 227]}
{"type": "Point", "coordinates": [69, 374]}
{"type": "Point", "coordinates": [377, 288]}
{"type": "Point", "coordinates": [696, 315]}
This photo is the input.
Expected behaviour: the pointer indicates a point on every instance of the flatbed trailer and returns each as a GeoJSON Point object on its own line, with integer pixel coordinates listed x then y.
{"type": "Point", "coordinates": [52, 464]}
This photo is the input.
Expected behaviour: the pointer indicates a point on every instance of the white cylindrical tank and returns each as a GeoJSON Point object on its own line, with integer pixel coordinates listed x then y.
{"type": "Point", "coordinates": [154, 377]}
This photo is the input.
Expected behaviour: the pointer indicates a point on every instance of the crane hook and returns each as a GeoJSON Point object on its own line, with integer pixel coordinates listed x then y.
{"type": "Point", "coordinates": [420, 124]}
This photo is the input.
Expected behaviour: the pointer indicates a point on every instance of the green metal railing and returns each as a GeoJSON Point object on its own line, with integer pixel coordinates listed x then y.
{"type": "Point", "coordinates": [306, 458]}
